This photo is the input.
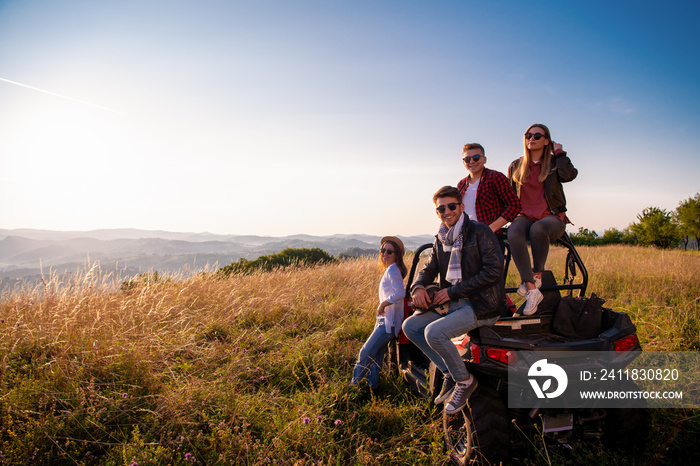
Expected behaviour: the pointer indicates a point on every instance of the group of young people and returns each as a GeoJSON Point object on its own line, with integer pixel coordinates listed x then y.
{"type": "Point", "coordinates": [468, 259]}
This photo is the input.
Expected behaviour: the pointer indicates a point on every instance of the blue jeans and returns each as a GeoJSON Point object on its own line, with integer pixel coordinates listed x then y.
{"type": "Point", "coordinates": [369, 362]}
{"type": "Point", "coordinates": [433, 333]}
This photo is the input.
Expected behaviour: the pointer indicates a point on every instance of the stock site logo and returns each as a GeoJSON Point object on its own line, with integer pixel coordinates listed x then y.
{"type": "Point", "coordinates": [547, 372]}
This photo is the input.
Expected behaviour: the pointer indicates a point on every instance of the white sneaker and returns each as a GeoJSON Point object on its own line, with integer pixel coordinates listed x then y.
{"type": "Point", "coordinates": [532, 299]}
{"type": "Point", "coordinates": [522, 289]}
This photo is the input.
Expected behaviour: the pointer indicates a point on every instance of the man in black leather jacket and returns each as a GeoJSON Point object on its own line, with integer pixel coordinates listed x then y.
{"type": "Point", "coordinates": [468, 260]}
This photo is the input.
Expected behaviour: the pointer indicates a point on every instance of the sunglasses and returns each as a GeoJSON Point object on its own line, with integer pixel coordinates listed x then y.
{"type": "Point", "coordinates": [473, 157]}
{"type": "Point", "coordinates": [442, 208]}
{"type": "Point", "coordinates": [388, 252]}
{"type": "Point", "coordinates": [535, 136]}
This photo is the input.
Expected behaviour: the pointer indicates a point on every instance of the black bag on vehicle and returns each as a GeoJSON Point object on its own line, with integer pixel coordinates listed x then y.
{"type": "Point", "coordinates": [579, 317]}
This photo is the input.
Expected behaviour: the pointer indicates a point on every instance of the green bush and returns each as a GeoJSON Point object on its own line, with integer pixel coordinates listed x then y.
{"type": "Point", "coordinates": [289, 256]}
{"type": "Point", "coordinates": [586, 237]}
{"type": "Point", "coordinates": [354, 253]}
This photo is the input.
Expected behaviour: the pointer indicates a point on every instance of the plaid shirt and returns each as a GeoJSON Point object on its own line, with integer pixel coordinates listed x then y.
{"type": "Point", "coordinates": [494, 198]}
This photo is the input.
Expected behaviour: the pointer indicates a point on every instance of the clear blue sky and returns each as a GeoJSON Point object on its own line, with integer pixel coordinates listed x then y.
{"type": "Point", "coordinates": [321, 117]}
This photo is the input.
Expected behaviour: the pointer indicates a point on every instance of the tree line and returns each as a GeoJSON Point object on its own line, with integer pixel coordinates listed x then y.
{"type": "Point", "coordinates": [654, 227]}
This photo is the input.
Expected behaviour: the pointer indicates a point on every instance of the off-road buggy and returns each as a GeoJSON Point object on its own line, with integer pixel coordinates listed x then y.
{"type": "Point", "coordinates": [487, 430]}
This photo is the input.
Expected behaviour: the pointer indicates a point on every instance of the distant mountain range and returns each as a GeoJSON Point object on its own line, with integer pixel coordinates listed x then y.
{"type": "Point", "coordinates": [26, 253]}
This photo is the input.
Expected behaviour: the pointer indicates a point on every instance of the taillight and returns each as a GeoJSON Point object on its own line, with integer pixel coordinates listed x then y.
{"type": "Point", "coordinates": [476, 356]}
{"type": "Point", "coordinates": [502, 355]}
{"type": "Point", "coordinates": [626, 344]}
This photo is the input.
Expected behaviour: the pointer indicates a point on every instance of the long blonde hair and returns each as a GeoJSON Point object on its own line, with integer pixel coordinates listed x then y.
{"type": "Point", "coordinates": [523, 170]}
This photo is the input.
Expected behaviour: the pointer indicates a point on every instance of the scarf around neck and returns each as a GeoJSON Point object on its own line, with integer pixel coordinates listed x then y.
{"type": "Point", "coordinates": [452, 240]}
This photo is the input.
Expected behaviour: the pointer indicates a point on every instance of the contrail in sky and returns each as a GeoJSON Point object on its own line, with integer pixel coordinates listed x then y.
{"type": "Point", "coordinates": [62, 96]}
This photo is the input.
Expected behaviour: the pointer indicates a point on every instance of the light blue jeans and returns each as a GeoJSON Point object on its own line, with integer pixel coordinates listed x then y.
{"type": "Point", "coordinates": [369, 362]}
{"type": "Point", "coordinates": [433, 333]}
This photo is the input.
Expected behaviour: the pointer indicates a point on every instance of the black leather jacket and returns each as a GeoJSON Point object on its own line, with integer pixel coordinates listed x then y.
{"type": "Point", "coordinates": [482, 271]}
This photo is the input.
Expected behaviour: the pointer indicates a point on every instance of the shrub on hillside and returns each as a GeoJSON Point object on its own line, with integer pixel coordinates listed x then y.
{"type": "Point", "coordinates": [354, 253]}
{"type": "Point", "coordinates": [289, 256]}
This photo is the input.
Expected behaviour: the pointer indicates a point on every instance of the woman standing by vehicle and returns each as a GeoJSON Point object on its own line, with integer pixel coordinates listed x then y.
{"type": "Point", "coordinates": [389, 312]}
{"type": "Point", "coordinates": [537, 178]}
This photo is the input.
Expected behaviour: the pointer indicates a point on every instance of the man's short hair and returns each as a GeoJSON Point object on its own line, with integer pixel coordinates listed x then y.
{"type": "Point", "coordinates": [447, 191]}
{"type": "Point", "coordinates": [473, 145]}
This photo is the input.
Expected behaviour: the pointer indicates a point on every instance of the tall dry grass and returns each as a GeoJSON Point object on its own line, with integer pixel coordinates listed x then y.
{"type": "Point", "coordinates": [251, 369]}
{"type": "Point", "coordinates": [244, 370]}
{"type": "Point", "coordinates": [659, 289]}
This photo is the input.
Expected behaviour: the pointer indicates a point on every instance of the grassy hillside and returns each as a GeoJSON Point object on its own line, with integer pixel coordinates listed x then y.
{"type": "Point", "coordinates": [254, 369]}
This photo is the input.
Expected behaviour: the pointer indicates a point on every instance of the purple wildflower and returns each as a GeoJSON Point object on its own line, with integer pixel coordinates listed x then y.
{"type": "Point", "coordinates": [338, 422]}
{"type": "Point", "coordinates": [307, 420]}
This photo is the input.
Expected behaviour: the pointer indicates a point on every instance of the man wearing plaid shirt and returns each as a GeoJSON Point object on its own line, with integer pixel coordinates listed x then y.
{"type": "Point", "coordinates": [487, 195]}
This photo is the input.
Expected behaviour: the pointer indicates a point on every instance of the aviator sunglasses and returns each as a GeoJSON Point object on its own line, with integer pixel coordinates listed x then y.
{"type": "Point", "coordinates": [386, 251]}
{"type": "Point", "coordinates": [442, 208]}
{"type": "Point", "coordinates": [473, 157]}
{"type": "Point", "coordinates": [535, 136]}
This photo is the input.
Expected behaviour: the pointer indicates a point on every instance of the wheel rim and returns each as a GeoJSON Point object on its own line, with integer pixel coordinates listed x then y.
{"type": "Point", "coordinates": [459, 435]}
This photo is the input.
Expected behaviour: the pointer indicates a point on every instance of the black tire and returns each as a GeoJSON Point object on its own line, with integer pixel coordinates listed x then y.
{"type": "Point", "coordinates": [480, 432]}
{"type": "Point", "coordinates": [627, 427]}
{"type": "Point", "coordinates": [435, 379]}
